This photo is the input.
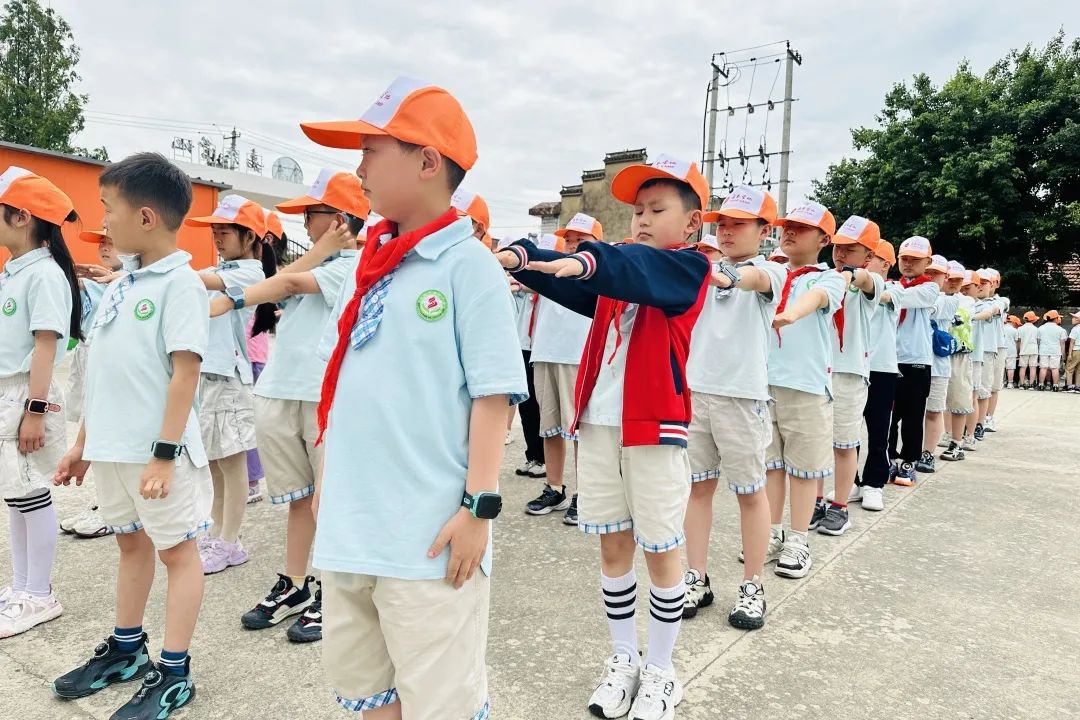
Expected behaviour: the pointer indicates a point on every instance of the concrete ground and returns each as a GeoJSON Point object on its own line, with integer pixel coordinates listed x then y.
{"type": "Point", "coordinates": [960, 600]}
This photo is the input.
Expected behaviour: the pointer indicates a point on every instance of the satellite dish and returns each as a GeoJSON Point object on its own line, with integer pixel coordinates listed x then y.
{"type": "Point", "coordinates": [287, 169]}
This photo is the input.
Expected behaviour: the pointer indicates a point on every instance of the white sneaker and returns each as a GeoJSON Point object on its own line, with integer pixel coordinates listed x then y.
{"type": "Point", "coordinates": [795, 561]}
{"type": "Point", "coordinates": [24, 611]}
{"type": "Point", "coordinates": [614, 695]}
{"type": "Point", "coordinates": [967, 443]}
{"type": "Point", "coordinates": [91, 525]}
{"type": "Point", "coordinates": [5, 596]}
{"type": "Point", "coordinates": [946, 438]}
{"type": "Point", "coordinates": [68, 524]}
{"type": "Point", "coordinates": [873, 499]}
{"type": "Point", "coordinates": [854, 496]}
{"type": "Point", "coordinates": [659, 693]}
{"type": "Point", "coordinates": [772, 553]}
{"type": "Point", "coordinates": [989, 425]}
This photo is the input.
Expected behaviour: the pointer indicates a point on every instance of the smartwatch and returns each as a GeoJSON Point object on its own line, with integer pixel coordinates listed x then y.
{"type": "Point", "coordinates": [40, 407]}
{"type": "Point", "coordinates": [236, 294]}
{"type": "Point", "coordinates": [483, 505]}
{"type": "Point", "coordinates": [165, 450]}
{"type": "Point", "coordinates": [851, 269]}
{"type": "Point", "coordinates": [731, 273]}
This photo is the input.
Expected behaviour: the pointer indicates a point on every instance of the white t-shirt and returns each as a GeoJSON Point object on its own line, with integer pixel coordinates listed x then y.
{"type": "Point", "coordinates": [1050, 336]}
{"type": "Point", "coordinates": [34, 295]}
{"type": "Point", "coordinates": [559, 334]}
{"type": "Point", "coordinates": [800, 355]}
{"type": "Point", "coordinates": [1074, 335]}
{"type": "Point", "coordinates": [1029, 339]}
{"type": "Point", "coordinates": [524, 303]}
{"type": "Point", "coordinates": [999, 331]}
{"type": "Point", "coordinates": [944, 312]}
{"type": "Point", "coordinates": [605, 403]}
{"type": "Point", "coordinates": [1011, 335]}
{"type": "Point", "coordinates": [858, 309]}
{"type": "Point", "coordinates": [227, 351]}
{"type": "Point", "coordinates": [729, 348]}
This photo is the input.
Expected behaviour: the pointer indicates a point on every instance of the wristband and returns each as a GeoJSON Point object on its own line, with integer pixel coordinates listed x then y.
{"type": "Point", "coordinates": [40, 407]}
{"type": "Point", "coordinates": [483, 505]}
{"type": "Point", "coordinates": [165, 450]}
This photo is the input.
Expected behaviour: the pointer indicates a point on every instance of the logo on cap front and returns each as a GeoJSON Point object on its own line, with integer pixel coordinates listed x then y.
{"type": "Point", "coordinates": [431, 305]}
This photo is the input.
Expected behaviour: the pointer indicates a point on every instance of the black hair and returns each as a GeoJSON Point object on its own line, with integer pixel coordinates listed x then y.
{"type": "Point", "coordinates": [46, 234]}
{"type": "Point", "coordinates": [690, 199]}
{"type": "Point", "coordinates": [455, 174]}
{"type": "Point", "coordinates": [265, 313]}
{"type": "Point", "coordinates": [356, 224]}
{"type": "Point", "coordinates": [148, 179]}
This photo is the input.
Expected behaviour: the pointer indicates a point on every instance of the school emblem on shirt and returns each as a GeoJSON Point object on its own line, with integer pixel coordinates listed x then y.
{"type": "Point", "coordinates": [144, 309]}
{"type": "Point", "coordinates": [431, 305]}
{"type": "Point", "coordinates": [9, 307]}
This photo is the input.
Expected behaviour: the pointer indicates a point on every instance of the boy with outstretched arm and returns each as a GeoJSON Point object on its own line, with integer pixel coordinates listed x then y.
{"type": "Point", "coordinates": [633, 409]}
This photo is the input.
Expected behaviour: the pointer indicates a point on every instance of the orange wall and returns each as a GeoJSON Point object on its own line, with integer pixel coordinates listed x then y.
{"type": "Point", "coordinates": [79, 181]}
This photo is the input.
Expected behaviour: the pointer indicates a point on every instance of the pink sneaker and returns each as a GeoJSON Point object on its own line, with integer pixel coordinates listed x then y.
{"type": "Point", "coordinates": [237, 554]}
{"type": "Point", "coordinates": [223, 554]}
{"type": "Point", "coordinates": [211, 555]}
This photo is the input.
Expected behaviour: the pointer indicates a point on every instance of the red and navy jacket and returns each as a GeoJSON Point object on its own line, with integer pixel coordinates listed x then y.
{"type": "Point", "coordinates": [669, 287]}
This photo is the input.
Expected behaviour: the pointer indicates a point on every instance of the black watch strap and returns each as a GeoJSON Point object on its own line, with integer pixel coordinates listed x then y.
{"type": "Point", "coordinates": [165, 450]}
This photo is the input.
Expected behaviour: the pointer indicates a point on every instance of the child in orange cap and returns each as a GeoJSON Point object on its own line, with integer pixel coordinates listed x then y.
{"type": "Point", "coordinates": [1051, 348]}
{"type": "Point", "coordinates": [1028, 334]}
{"type": "Point", "coordinates": [1072, 348]}
{"type": "Point", "coordinates": [287, 392]}
{"type": "Point", "coordinates": [941, 368]}
{"type": "Point", "coordinates": [408, 493]}
{"type": "Point", "coordinates": [475, 208]}
{"type": "Point", "coordinates": [728, 377]}
{"type": "Point", "coordinates": [710, 247]}
{"type": "Point", "coordinates": [998, 332]}
{"type": "Point", "coordinates": [40, 309]}
{"type": "Point", "coordinates": [1012, 340]}
{"type": "Point", "coordinates": [226, 405]}
{"type": "Point", "coordinates": [915, 355]}
{"type": "Point", "coordinates": [984, 356]}
{"type": "Point", "coordinates": [959, 392]}
{"type": "Point", "coordinates": [558, 340]}
{"type": "Point", "coordinates": [633, 407]}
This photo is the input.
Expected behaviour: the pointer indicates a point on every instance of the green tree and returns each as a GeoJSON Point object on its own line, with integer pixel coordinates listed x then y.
{"type": "Point", "coordinates": [38, 56]}
{"type": "Point", "coordinates": [987, 167]}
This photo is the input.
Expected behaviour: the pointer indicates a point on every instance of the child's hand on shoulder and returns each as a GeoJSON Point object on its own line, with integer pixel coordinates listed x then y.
{"type": "Point", "coordinates": [467, 537]}
{"type": "Point", "coordinates": [567, 267]}
{"type": "Point", "coordinates": [156, 479]}
{"type": "Point", "coordinates": [72, 466]}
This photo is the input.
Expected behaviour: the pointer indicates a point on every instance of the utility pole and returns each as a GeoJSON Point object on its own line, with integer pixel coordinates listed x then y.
{"type": "Point", "coordinates": [234, 156]}
{"type": "Point", "coordinates": [792, 58]}
{"type": "Point", "coordinates": [710, 152]}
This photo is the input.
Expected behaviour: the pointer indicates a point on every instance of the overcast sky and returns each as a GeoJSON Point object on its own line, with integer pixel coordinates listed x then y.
{"type": "Point", "coordinates": [550, 86]}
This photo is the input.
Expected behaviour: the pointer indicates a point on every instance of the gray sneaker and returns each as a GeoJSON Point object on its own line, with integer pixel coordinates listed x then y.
{"type": "Point", "coordinates": [820, 506]}
{"type": "Point", "coordinates": [836, 521]}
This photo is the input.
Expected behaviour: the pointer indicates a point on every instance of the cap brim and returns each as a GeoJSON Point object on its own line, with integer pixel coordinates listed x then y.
{"type": "Point", "coordinates": [917, 256]}
{"type": "Point", "coordinates": [208, 220]}
{"type": "Point", "coordinates": [297, 205]}
{"type": "Point", "coordinates": [345, 134]}
{"type": "Point", "coordinates": [625, 185]}
{"type": "Point", "coordinates": [92, 236]}
{"type": "Point", "coordinates": [715, 215]}
{"type": "Point", "coordinates": [784, 222]}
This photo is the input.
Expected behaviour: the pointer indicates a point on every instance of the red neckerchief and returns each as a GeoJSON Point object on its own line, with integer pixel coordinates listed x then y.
{"type": "Point", "coordinates": [906, 282]}
{"type": "Point", "coordinates": [792, 276]}
{"type": "Point", "coordinates": [532, 314]}
{"type": "Point", "coordinates": [377, 260]}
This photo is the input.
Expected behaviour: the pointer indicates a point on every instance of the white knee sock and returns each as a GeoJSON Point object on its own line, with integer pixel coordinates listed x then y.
{"type": "Point", "coordinates": [18, 547]}
{"type": "Point", "coordinates": [620, 597]}
{"type": "Point", "coordinates": [665, 618]}
{"type": "Point", "coordinates": [39, 520]}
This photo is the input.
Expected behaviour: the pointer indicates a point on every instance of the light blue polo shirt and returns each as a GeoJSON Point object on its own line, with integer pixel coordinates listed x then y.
{"type": "Point", "coordinates": [91, 293]}
{"type": "Point", "coordinates": [129, 364]}
{"type": "Point", "coordinates": [944, 312]}
{"type": "Point", "coordinates": [801, 358]}
{"type": "Point", "coordinates": [882, 340]}
{"type": "Point", "coordinates": [34, 295]}
{"type": "Point", "coordinates": [295, 370]}
{"type": "Point", "coordinates": [397, 445]}
{"type": "Point", "coordinates": [914, 342]}
{"type": "Point", "coordinates": [859, 307]}
{"type": "Point", "coordinates": [227, 352]}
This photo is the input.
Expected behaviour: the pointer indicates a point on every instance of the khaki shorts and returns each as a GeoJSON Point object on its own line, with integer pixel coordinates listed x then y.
{"type": "Point", "coordinates": [287, 431]}
{"type": "Point", "coordinates": [802, 434]}
{"type": "Point", "coordinates": [76, 388]}
{"type": "Point", "coordinates": [167, 521]}
{"type": "Point", "coordinates": [849, 401]}
{"type": "Point", "coordinates": [999, 371]}
{"type": "Point", "coordinates": [418, 641]}
{"type": "Point", "coordinates": [939, 390]}
{"type": "Point", "coordinates": [1012, 362]}
{"type": "Point", "coordinates": [959, 395]}
{"type": "Point", "coordinates": [554, 383]}
{"type": "Point", "coordinates": [1050, 362]}
{"type": "Point", "coordinates": [728, 436]}
{"type": "Point", "coordinates": [226, 416]}
{"type": "Point", "coordinates": [643, 488]}
{"type": "Point", "coordinates": [22, 474]}
{"type": "Point", "coordinates": [1029, 361]}
{"type": "Point", "coordinates": [979, 376]}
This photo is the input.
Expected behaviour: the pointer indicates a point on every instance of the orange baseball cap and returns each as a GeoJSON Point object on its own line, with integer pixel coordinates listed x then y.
{"type": "Point", "coordinates": [858, 230]}
{"type": "Point", "coordinates": [886, 252]}
{"type": "Point", "coordinates": [969, 278]}
{"type": "Point", "coordinates": [584, 224]}
{"type": "Point", "coordinates": [234, 209]}
{"type": "Point", "coordinates": [745, 202]}
{"type": "Point", "coordinates": [551, 242]}
{"type": "Point", "coordinates": [709, 241]}
{"type": "Point", "coordinates": [335, 188]}
{"type": "Point", "coordinates": [24, 190]}
{"type": "Point", "coordinates": [273, 223]}
{"type": "Point", "coordinates": [625, 185]}
{"type": "Point", "coordinates": [471, 204]}
{"type": "Point", "coordinates": [93, 236]}
{"type": "Point", "coordinates": [956, 270]}
{"type": "Point", "coordinates": [778, 254]}
{"type": "Point", "coordinates": [812, 214]}
{"type": "Point", "coordinates": [1015, 321]}
{"type": "Point", "coordinates": [916, 247]}
{"type": "Point", "coordinates": [938, 263]}
{"type": "Point", "coordinates": [984, 275]}
{"type": "Point", "coordinates": [1052, 315]}
{"type": "Point", "coordinates": [1030, 316]}
{"type": "Point", "coordinates": [411, 111]}
{"type": "Point", "coordinates": [1075, 315]}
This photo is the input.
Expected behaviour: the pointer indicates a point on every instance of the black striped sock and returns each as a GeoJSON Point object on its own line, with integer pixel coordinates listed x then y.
{"type": "Point", "coordinates": [620, 599]}
{"type": "Point", "coordinates": [32, 502]}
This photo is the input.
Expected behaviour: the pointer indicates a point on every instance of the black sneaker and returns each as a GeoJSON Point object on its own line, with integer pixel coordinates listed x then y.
{"type": "Point", "coordinates": [284, 600]}
{"type": "Point", "coordinates": [548, 501]}
{"type": "Point", "coordinates": [835, 522]}
{"type": "Point", "coordinates": [160, 694]}
{"type": "Point", "coordinates": [698, 594]}
{"type": "Point", "coordinates": [980, 431]}
{"type": "Point", "coordinates": [820, 508]}
{"type": "Point", "coordinates": [925, 462]}
{"type": "Point", "coordinates": [308, 627]}
{"type": "Point", "coordinates": [109, 666]}
{"type": "Point", "coordinates": [953, 452]}
{"type": "Point", "coordinates": [749, 610]}
{"type": "Point", "coordinates": [570, 518]}
{"type": "Point", "coordinates": [894, 467]}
